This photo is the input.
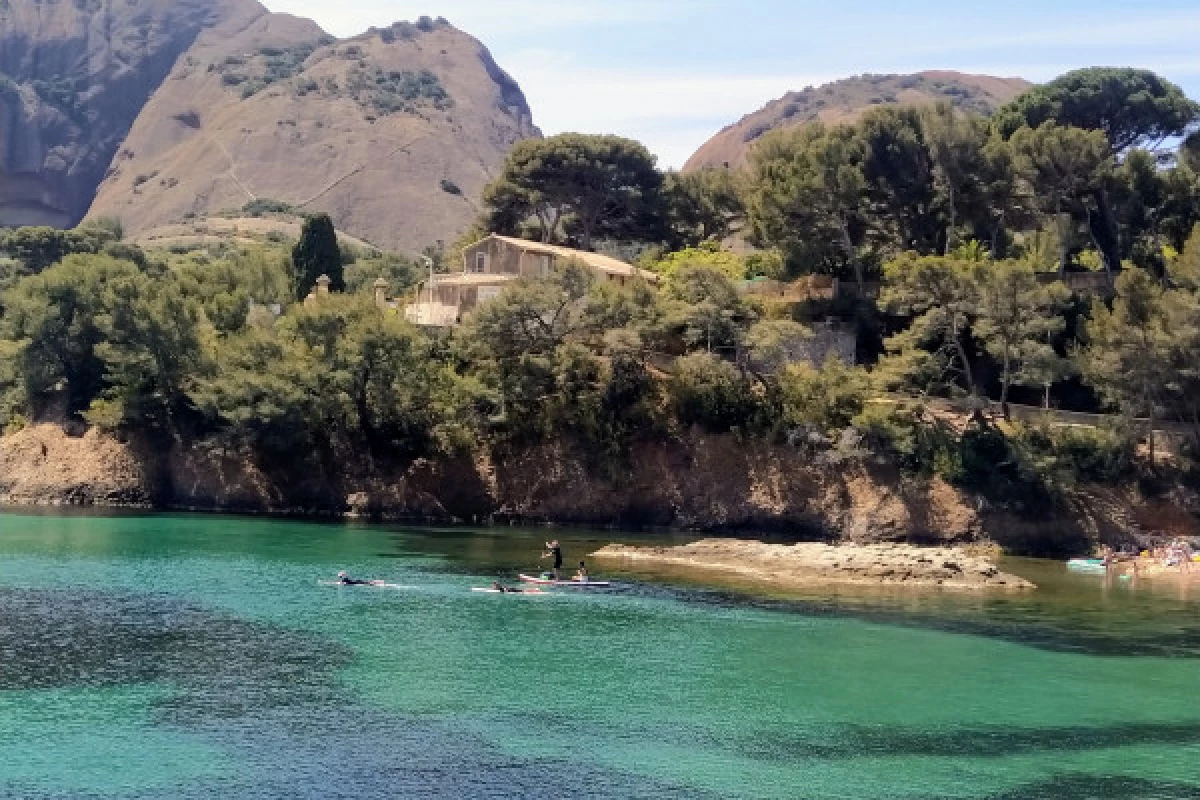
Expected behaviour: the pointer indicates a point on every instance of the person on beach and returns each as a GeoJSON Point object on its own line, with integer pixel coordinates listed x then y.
{"type": "Point", "coordinates": [554, 551]}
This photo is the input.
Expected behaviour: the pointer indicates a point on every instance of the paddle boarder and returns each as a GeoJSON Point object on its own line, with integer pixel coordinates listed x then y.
{"type": "Point", "coordinates": [582, 574]}
{"type": "Point", "coordinates": [553, 550]}
{"type": "Point", "coordinates": [344, 579]}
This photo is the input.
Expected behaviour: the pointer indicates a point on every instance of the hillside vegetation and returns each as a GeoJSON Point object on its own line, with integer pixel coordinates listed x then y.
{"type": "Point", "coordinates": [1046, 254]}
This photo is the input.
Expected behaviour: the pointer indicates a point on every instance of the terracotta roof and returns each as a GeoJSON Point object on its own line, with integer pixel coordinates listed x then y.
{"type": "Point", "coordinates": [598, 262]}
{"type": "Point", "coordinates": [471, 278]}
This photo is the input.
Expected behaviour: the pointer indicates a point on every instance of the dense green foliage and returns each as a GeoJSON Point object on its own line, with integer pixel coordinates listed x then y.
{"type": "Point", "coordinates": [586, 187]}
{"type": "Point", "coordinates": [974, 228]}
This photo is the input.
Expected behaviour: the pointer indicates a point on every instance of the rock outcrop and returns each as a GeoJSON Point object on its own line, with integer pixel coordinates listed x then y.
{"type": "Point", "coordinates": [74, 76]}
{"type": "Point", "coordinates": [846, 100]}
{"type": "Point", "coordinates": [394, 133]}
{"type": "Point", "coordinates": [813, 564]}
{"type": "Point", "coordinates": [42, 465]}
{"type": "Point", "coordinates": [164, 111]}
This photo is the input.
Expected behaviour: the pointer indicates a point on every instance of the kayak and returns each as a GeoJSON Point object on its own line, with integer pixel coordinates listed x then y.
{"type": "Point", "coordinates": [573, 584]}
{"type": "Point", "coordinates": [1086, 564]}
{"type": "Point", "coordinates": [371, 585]}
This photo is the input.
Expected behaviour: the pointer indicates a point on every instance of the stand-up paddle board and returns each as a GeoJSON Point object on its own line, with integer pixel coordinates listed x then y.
{"type": "Point", "coordinates": [573, 584]}
{"type": "Point", "coordinates": [371, 585]}
{"type": "Point", "coordinates": [508, 591]}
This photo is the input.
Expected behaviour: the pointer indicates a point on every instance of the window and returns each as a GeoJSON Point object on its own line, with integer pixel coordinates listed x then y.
{"type": "Point", "coordinates": [481, 261]}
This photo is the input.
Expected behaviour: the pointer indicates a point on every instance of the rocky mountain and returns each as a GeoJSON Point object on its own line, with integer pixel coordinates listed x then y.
{"type": "Point", "coordinates": [165, 111]}
{"type": "Point", "coordinates": [74, 75]}
{"type": "Point", "coordinates": [846, 100]}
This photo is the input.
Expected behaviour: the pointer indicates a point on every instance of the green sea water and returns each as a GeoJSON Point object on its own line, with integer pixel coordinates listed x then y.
{"type": "Point", "coordinates": [175, 656]}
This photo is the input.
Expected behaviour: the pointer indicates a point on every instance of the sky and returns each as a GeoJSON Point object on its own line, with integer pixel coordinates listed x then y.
{"type": "Point", "coordinates": [671, 73]}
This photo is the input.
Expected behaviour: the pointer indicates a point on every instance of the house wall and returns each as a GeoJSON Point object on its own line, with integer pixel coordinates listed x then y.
{"type": "Point", "coordinates": [506, 259]}
{"type": "Point", "coordinates": [502, 258]}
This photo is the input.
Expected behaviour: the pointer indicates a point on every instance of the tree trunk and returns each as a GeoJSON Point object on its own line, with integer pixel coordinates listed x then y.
{"type": "Point", "coordinates": [953, 220]}
{"type": "Point", "coordinates": [1153, 460]}
{"type": "Point", "coordinates": [1005, 383]}
{"type": "Point", "coordinates": [852, 255]}
{"type": "Point", "coordinates": [962, 355]}
{"type": "Point", "coordinates": [1064, 248]}
{"type": "Point", "coordinates": [1103, 227]}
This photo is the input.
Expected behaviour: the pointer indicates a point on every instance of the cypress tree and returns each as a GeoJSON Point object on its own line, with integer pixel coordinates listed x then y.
{"type": "Point", "coordinates": [317, 254]}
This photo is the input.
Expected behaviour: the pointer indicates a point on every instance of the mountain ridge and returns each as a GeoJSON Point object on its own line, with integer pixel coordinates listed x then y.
{"type": "Point", "coordinates": [393, 132]}
{"type": "Point", "coordinates": [845, 100]}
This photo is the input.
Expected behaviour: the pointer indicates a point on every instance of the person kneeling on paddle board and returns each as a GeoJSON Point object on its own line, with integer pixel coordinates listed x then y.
{"type": "Point", "coordinates": [554, 551]}
{"type": "Point", "coordinates": [582, 575]}
{"type": "Point", "coordinates": [344, 579]}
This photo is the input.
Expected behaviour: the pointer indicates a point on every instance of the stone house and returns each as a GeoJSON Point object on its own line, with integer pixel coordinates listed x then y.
{"type": "Point", "coordinates": [490, 264]}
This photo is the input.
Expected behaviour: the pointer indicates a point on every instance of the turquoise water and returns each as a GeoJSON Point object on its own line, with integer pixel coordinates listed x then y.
{"type": "Point", "coordinates": [191, 656]}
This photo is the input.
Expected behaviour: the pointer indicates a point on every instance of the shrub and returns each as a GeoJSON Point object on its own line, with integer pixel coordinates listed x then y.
{"type": "Point", "coordinates": [828, 399]}
{"type": "Point", "coordinates": [267, 205]}
{"type": "Point", "coordinates": [711, 393]}
{"type": "Point", "coordinates": [891, 432]}
{"type": "Point", "coordinates": [1065, 456]}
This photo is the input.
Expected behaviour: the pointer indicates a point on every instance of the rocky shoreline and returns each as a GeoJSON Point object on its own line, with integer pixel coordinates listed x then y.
{"type": "Point", "coordinates": [717, 485]}
{"type": "Point", "coordinates": [815, 564]}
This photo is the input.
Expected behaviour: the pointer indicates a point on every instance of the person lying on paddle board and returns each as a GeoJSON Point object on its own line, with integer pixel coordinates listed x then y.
{"type": "Point", "coordinates": [344, 579]}
{"type": "Point", "coordinates": [553, 550]}
{"type": "Point", "coordinates": [502, 589]}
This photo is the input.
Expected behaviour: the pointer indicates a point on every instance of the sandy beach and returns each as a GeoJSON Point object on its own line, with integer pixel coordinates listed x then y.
{"type": "Point", "coordinates": [815, 564]}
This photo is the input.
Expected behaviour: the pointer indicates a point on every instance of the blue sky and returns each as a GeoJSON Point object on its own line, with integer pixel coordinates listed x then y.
{"type": "Point", "coordinates": [672, 72]}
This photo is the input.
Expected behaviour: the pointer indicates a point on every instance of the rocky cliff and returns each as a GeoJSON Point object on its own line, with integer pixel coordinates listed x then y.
{"type": "Point", "coordinates": [706, 483]}
{"type": "Point", "coordinates": [164, 111]}
{"type": "Point", "coordinates": [846, 100]}
{"type": "Point", "coordinates": [74, 75]}
{"type": "Point", "coordinates": [394, 133]}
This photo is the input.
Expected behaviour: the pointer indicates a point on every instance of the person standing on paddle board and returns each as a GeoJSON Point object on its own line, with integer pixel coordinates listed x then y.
{"type": "Point", "coordinates": [553, 550]}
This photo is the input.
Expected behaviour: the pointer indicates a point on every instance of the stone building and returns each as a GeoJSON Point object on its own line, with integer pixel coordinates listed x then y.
{"type": "Point", "coordinates": [489, 265]}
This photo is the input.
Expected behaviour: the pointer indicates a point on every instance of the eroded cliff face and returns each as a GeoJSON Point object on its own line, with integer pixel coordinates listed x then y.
{"type": "Point", "coordinates": [707, 483]}
{"type": "Point", "coordinates": [74, 75]}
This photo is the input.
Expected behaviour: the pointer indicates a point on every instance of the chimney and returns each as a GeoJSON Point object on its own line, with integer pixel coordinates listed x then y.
{"type": "Point", "coordinates": [381, 287]}
{"type": "Point", "coordinates": [323, 285]}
